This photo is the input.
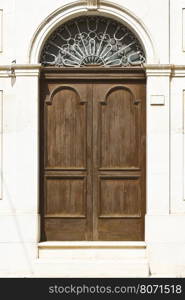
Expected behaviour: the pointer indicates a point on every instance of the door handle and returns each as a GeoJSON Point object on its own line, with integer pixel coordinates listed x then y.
{"type": "Point", "coordinates": [137, 101]}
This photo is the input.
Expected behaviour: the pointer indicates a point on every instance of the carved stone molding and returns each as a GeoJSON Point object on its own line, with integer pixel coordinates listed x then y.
{"type": "Point", "coordinates": [92, 4]}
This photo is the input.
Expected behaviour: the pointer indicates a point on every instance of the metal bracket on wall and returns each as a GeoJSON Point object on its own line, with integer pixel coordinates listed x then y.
{"type": "Point", "coordinates": [11, 72]}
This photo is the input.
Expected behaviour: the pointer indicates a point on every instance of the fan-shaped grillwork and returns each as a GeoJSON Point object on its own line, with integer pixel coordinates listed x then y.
{"type": "Point", "coordinates": [92, 41]}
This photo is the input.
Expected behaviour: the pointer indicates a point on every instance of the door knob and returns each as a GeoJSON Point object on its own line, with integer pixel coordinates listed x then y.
{"type": "Point", "coordinates": [137, 101]}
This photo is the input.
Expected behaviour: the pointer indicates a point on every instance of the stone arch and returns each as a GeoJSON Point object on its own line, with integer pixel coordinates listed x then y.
{"type": "Point", "coordinates": [79, 8]}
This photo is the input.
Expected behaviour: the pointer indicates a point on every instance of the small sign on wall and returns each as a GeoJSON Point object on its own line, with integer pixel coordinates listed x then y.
{"type": "Point", "coordinates": [157, 100]}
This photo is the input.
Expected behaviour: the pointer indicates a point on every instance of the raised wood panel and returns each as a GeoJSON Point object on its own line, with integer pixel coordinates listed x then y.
{"type": "Point", "coordinates": [58, 229]}
{"type": "Point", "coordinates": [119, 197]}
{"type": "Point", "coordinates": [65, 197]}
{"type": "Point", "coordinates": [119, 130]}
{"type": "Point", "coordinates": [120, 230]}
{"type": "Point", "coordinates": [66, 131]}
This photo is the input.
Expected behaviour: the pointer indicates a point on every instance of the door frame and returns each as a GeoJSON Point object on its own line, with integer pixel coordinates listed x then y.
{"type": "Point", "coordinates": [84, 73]}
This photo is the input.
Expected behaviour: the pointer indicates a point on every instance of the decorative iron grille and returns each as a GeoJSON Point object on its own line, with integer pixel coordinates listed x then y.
{"type": "Point", "coordinates": [90, 40]}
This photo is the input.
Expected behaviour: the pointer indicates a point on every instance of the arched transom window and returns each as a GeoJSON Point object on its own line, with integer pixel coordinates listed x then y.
{"type": "Point", "coordinates": [92, 40]}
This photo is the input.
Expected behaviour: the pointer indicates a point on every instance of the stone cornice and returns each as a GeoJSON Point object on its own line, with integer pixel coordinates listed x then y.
{"type": "Point", "coordinates": [20, 70]}
{"type": "Point", "coordinates": [24, 70]}
{"type": "Point", "coordinates": [158, 70]}
{"type": "Point", "coordinates": [178, 71]}
{"type": "Point", "coordinates": [165, 70]}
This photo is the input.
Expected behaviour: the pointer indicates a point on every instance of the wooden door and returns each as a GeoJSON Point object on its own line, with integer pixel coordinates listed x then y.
{"type": "Point", "coordinates": [92, 160]}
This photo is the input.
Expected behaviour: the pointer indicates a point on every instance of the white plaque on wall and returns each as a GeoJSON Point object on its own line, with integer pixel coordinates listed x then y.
{"type": "Point", "coordinates": [157, 100]}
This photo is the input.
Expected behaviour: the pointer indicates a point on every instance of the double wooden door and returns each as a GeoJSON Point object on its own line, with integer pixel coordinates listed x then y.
{"type": "Point", "coordinates": [93, 160]}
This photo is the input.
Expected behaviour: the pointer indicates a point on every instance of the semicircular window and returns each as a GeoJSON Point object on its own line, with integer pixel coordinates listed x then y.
{"type": "Point", "coordinates": [90, 40]}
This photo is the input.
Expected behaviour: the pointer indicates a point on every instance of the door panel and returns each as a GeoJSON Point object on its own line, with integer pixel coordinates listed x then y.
{"type": "Point", "coordinates": [67, 204]}
{"type": "Point", "coordinates": [119, 197]}
{"type": "Point", "coordinates": [93, 159]}
{"type": "Point", "coordinates": [117, 130]}
{"type": "Point", "coordinates": [66, 131]}
{"type": "Point", "coordinates": [73, 193]}
{"type": "Point", "coordinates": [119, 161]}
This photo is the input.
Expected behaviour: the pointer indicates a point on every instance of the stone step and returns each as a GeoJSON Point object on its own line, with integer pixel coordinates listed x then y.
{"type": "Point", "coordinates": [72, 254]}
{"type": "Point", "coordinates": [104, 268]}
{"type": "Point", "coordinates": [92, 259]}
{"type": "Point", "coordinates": [92, 250]}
